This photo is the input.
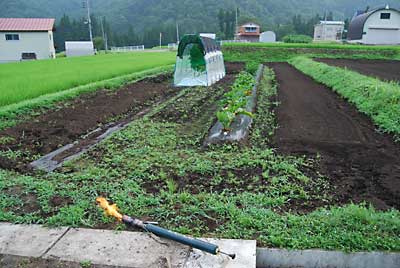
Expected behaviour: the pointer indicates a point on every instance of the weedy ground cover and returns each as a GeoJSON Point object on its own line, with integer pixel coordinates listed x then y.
{"type": "Point", "coordinates": [28, 80]}
{"type": "Point", "coordinates": [377, 99]}
{"type": "Point", "coordinates": [157, 169]}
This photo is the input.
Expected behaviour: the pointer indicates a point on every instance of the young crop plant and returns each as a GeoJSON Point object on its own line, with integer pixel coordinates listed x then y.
{"type": "Point", "coordinates": [235, 101]}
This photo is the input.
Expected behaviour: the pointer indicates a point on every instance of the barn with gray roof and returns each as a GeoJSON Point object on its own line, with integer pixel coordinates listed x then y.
{"type": "Point", "coordinates": [380, 26]}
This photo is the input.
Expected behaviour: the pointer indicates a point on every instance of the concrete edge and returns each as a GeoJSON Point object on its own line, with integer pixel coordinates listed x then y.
{"type": "Point", "coordinates": [282, 258]}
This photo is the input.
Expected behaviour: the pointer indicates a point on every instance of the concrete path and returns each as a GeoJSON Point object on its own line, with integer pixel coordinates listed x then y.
{"type": "Point", "coordinates": [33, 246]}
{"type": "Point", "coordinates": [282, 258]}
{"type": "Point", "coordinates": [117, 249]}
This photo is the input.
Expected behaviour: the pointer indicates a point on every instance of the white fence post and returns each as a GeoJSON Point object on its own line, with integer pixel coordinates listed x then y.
{"type": "Point", "coordinates": [127, 48]}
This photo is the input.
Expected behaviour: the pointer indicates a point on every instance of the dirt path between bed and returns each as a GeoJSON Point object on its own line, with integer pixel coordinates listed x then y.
{"type": "Point", "coordinates": [388, 70]}
{"type": "Point", "coordinates": [313, 120]}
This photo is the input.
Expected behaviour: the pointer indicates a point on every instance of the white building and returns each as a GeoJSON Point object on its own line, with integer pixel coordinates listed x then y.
{"type": "Point", "coordinates": [268, 37]}
{"type": "Point", "coordinates": [377, 27]}
{"type": "Point", "coordinates": [79, 48]}
{"type": "Point", "coordinates": [209, 35]}
{"type": "Point", "coordinates": [328, 31]}
{"type": "Point", "coordinates": [24, 39]}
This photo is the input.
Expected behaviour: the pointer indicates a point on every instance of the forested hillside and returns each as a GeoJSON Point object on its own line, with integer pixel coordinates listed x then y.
{"type": "Point", "coordinates": [147, 18]}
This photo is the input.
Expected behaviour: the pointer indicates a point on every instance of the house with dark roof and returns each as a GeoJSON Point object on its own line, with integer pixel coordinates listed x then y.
{"type": "Point", "coordinates": [26, 39]}
{"type": "Point", "coordinates": [380, 26]}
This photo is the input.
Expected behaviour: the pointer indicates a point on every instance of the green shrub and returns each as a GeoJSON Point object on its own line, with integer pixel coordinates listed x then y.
{"type": "Point", "coordinates": [297, 38]}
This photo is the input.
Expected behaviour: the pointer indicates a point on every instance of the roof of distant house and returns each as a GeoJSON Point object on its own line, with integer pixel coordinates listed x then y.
{"type": "Point", "coordinates": [26, 24]}
{"type": "Point", "coordinates": [250, 24]}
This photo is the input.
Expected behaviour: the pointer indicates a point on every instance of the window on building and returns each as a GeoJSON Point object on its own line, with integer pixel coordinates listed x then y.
{"type": "Point", "coordinates": [251, 29]}
{"type": "Point", "coordinates": [12, 37]}
{"type": "Point", "coordinates": [385, 16]}
{"type": "Point", "coordinates": [28, 56]}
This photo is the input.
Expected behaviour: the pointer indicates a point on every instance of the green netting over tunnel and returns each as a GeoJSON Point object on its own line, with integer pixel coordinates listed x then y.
{"type": "Point", "coordinates": [199, 62]}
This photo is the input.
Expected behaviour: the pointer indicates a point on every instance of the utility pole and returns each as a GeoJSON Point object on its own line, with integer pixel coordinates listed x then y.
{"type": "Point", "coordinates": [177, 33]}
{"type": "Point", "coordinates": [89, 20]}
{"type": "Point", "coordinates": [236, 24]}
{"type": "Point", "coordinates": [160, 40]}
{"type": "Point", "coordinates": [105, 38]}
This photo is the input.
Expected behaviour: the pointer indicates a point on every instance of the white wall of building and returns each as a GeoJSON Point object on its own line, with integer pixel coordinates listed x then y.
{"type": "Point", "coordinates": [382, 31]}
{"type": "Point", "coordinates": [328, 32]}
{"type": "Point", "coordinates": [79, 48]}
{"type": "Point", "coordinates": [40, 43]}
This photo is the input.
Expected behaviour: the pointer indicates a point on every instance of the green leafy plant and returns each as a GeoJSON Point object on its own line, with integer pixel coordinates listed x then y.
{"type": "Point", "coordinates": [252, 67]}
{"type": "Point", "coordinates": [235, 101]}
{"type": "Point", "coordinates": [197, 58]}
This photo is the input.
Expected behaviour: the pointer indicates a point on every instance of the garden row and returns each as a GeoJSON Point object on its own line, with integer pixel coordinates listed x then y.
{"type": "Point", "coordinates": [378, 99]}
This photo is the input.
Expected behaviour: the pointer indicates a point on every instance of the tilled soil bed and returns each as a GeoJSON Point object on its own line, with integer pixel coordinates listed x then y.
{"type": "Point", "coordinates": [383, 69]}
{"type": "Point", "coordinates": [77, 118]}
{"type": "Point", "coordinates": [87, 117]}
{"type": "Point", "coordinates": [361, 163]}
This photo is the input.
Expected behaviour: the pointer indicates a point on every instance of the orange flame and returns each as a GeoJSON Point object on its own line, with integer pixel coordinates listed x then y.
{"type": "Point", "coordinates": [110, 210]}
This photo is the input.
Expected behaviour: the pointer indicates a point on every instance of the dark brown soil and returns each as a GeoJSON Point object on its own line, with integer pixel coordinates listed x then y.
{"type": "Point", "coordinates": [383, 69]}
{"type": "Point", "coordinates": [79, 117]}
{"type": "Point", "coordinates": [10, 261]}
{"type": "Point", "coordinates": [30, 202]}
{"type": "Point", "coordinates": [362, 164]}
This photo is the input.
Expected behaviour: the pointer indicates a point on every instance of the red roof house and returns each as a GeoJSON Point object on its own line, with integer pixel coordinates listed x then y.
{"type": "Point", "coordinates": [26, 25]}
{"type": "Point", "coordinates": [26, 39]}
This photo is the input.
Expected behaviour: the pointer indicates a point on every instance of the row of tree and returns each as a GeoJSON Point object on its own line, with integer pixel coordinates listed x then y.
{"type": "Point", "coordinates": [69, 29]}
{"type": "Point", "coordinates": [227, 20]}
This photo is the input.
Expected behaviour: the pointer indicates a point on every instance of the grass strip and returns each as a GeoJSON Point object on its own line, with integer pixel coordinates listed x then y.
{"type": "Point", "coordinates": [29, 80]}
{"type": "Point", "coordinates": [315, 45]}
{"type": "Point", "coordinates": [12, 114]}
{"type": "Point", "coordinates": [378, 99]}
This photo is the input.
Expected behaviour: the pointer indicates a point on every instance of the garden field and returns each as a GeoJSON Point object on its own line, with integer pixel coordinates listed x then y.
{"type": "Point", "coordinates": [322, 45]}
{"type": "Point", "coordinates": [383, 69]}
{"type": "Point", "coordinates": [313, 119]}
{"type": "Point", "coordinates": [28, 80]}
{"type": "Point", "coordinates": [318, 169]}
{"type": "Point", "coordinates": [282, 52]}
